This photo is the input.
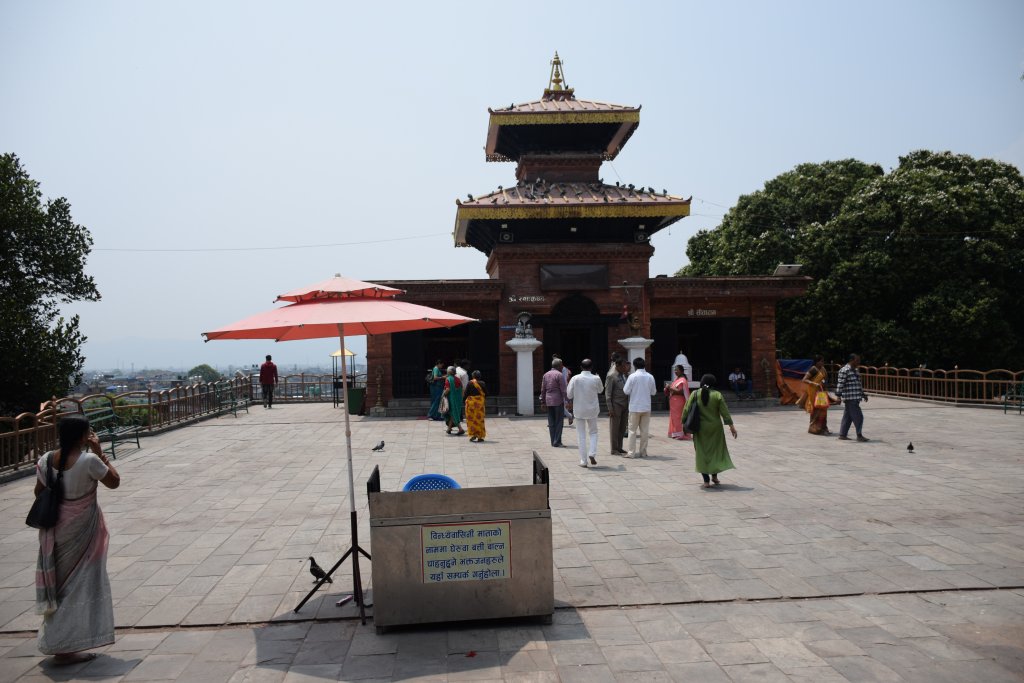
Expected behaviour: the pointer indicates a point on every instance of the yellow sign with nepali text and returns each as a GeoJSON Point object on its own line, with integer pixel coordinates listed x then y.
{"type": "Point", "coordinates": [471, 551]}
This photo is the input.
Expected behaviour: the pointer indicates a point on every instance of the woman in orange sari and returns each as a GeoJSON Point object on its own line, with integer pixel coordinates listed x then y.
{"type": "Point", "coordinates": [476, 408]}
{"type": "Point", "coordinates": [678, 391]}
{"type": "Point", "coordinates": [816, 400]}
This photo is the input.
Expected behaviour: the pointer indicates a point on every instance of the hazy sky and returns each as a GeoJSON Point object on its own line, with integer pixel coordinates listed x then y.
{"type": "Point", "coordinates": [334, 137]}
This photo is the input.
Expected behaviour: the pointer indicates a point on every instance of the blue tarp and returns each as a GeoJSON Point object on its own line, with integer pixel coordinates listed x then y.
{"type": "Point", "coordinates": [795, 368]}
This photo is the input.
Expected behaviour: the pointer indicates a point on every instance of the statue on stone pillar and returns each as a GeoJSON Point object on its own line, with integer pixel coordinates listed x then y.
{"type": "Point", "coordinates": [523, 328]}
{"type": "Point", "coordinates": [634, 324]}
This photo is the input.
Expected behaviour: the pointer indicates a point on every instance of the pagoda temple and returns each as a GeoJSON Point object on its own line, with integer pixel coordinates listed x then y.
{"type": "Point", "coordinates": [568, 253]}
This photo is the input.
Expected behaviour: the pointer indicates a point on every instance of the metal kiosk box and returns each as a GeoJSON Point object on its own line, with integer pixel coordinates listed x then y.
{"type": "Point", "coordinates": [461, 554]}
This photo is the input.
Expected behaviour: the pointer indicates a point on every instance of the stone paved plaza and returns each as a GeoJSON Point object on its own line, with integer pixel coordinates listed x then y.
{"type": "Point", "coordinates": [817, 560]}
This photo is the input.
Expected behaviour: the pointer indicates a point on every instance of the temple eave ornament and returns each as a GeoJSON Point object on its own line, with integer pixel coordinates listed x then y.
{"type": "Point", "coordinates": [659, 210]}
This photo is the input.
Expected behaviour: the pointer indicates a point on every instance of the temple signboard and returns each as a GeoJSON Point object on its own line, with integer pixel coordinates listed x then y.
{"type": "Point", "coordinates": [470, 551]}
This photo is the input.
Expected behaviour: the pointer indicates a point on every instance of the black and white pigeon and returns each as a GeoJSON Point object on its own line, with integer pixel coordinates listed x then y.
{"type": "Point", "coordinates": [910, 447]}
{"type": "Point", "coordinates": [317, 572]}
{"type": "Point", "coordinates": [378, 447]}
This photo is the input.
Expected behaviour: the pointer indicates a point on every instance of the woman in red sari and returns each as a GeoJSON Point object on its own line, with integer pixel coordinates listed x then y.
{"type": "Point", "coordinates": [678, 391]}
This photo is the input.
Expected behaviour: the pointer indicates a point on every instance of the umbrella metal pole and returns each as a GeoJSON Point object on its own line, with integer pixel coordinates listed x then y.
{"type": "Point", "coordinates": [354, 550]}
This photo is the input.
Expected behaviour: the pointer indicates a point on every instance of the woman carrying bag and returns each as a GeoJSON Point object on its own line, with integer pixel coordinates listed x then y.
{"type": "Point", "coordinates": [712, 453]}
{"type": "Point", "coordinates": [72, 587]}
{"type": "Point", "coordinates": [816, 399]}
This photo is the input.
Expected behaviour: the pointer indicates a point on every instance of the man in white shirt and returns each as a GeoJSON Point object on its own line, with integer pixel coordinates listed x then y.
{"type": "Point", "coordinates": [738, 381]}
{"type": "Point", "coordinates": [584, 390]}
{"type": "Point", "coordinates": [640, 386]}
{"type": "Point", "coordinates": [462, 373]}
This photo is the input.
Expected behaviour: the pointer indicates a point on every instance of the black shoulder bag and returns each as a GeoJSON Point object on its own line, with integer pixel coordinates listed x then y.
{"type": "Point", "coordinates": [46, 508]}
{"type": "Point", "coordinates": [692, 423]}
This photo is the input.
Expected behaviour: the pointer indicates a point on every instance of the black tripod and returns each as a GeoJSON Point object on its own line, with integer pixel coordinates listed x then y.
{"type": "Point", "coordinates": [357, 582]}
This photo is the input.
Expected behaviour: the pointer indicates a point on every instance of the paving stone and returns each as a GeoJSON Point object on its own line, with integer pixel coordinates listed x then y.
{"type": "Point", "coordinates": [156, 667]}
{"type": "Point", "coordinates": [701, 671]}
{"type": "Point", "coordinates": [741, 673]}
{"type": "Point", "coordinates": [638, 657]}
{"type": "Point", "coordinates": [590, 673]}
{"type": "Point", "coordinates": [568, 654]}
{"type": "Point", "coordinates": [526, 661]}
{"type": "Point", "coordinates": [787, 653]}
{"type": "Point", "coordinates": [726, 654]}
{"type": "Point", "coordinates": [479, 666]}
{"type": "Point", "coordinates": [863, 669]}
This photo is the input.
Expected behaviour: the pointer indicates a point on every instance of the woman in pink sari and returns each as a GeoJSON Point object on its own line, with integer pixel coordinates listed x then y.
{"type": "Point", "coordinates": [72, 588]}
{"type": "Point", "coordinates": [678, 391]}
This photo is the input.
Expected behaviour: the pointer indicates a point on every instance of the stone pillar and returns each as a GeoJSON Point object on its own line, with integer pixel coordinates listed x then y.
{"type": "Point", "coordinates": [524, 348]}
{"type": "Point", "coordinates": [635, 346]}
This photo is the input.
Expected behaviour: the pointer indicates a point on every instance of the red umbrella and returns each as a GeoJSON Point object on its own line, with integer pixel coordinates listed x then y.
{"type": "Point", "coordinates": [339, 287]}
{"type": "Point", "coordinates": [321, 318]}
{"type": "Point", "coordinates": [337, 307]}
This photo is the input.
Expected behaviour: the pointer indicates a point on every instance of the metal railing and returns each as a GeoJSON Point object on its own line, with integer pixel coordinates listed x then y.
{"type": "Point", "coordinates": [24, 438]}
{"type": "Point", "coordinates": [303, 388]}
{"type": "Point", "coordinates": [977, 387]}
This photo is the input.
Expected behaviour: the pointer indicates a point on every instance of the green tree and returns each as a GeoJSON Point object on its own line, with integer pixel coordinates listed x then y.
{"type": "Point", "coordinates": [43, 252]}
{"type": "Point", "coordinates": [921, 265]}
{"type": "Point", "coordinates": [206, 372]}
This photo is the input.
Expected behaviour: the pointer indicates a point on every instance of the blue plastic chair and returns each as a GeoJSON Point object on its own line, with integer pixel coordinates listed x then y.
{"type": "Point", "coordinates": [430, 482]}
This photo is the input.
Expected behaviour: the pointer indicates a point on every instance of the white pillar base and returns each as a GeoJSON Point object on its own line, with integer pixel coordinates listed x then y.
{"type": "Point", "coordinates": [524, 348]}
{"type": "Point", "coordinates": [635, 346]}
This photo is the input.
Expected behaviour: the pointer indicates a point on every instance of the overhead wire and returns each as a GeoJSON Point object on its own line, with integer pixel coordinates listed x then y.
{"type": "Point", "coordinates": [275, 248]}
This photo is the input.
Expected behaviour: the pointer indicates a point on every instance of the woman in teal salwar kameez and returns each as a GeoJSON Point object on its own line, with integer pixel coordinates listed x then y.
{"type": "Point", "coordinates": [436, 389]}
{"type": "Point", "coordinates": [709, 441]}
{"type": "Point", "coordinates": [453, 392]}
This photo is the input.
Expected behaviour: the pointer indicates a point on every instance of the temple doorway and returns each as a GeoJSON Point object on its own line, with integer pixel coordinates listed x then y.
{"type": "Point", "coordinates": [414, 353]}
{"type": "Point", "coordinates": [575, 330]}
{"type": "Point", "coordinates": [713, 346]}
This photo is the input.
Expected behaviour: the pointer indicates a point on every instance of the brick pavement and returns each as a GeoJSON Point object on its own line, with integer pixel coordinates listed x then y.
{"type": "Point", "coordinates": [214, 520]}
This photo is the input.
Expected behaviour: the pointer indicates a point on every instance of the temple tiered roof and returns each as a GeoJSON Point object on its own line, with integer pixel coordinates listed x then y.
{"type": "Point", "coordinates": [559, 143]}
{"type": "Point", "coordinates": [558, 122]}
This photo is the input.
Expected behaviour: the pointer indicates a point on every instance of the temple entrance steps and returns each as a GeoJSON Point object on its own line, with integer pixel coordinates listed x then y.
{"type": "Point", "coordinates": [506, 405]}
{"type": "Point", "coordinates": [417, 407]}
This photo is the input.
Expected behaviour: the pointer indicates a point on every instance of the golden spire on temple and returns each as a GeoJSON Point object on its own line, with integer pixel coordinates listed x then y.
{"type": "Point", "coordinates": [556, 89]}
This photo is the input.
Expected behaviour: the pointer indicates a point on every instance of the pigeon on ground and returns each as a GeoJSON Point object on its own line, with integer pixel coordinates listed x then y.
{"type": "Point", "coordinates": [378, 447]}
{"type": "Point", "coordinates": [910, 447]}
{"type": "Point", "coordinates": [317, 572]}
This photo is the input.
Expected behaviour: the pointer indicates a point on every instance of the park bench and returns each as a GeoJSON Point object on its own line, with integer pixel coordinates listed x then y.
{"type": "Point", "coordinates": [109, 426]}
{"type": "Point", "coordinates": [234, 404]}
{"type": "Point", "coordinates": [1014, 396]}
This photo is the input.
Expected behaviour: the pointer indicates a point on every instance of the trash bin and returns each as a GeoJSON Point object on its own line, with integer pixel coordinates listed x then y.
{"type": "Point", "coordinates": [356, 398]}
